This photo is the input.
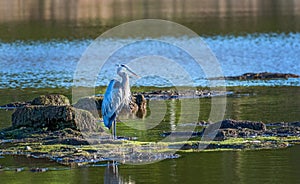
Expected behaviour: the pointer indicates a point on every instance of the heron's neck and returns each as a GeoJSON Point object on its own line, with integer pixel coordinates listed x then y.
{"type": "Point", "coordinates": [125, 79]}
{"type": "Point", "coordinates": [126, 87]}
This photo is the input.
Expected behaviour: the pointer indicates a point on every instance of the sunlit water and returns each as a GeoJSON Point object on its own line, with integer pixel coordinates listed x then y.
{"type": "Point", "coordinates": [37, 64]}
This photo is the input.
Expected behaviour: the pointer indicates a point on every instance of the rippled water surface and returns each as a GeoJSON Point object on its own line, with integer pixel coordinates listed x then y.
{"type": "Point", "coordinates": [41, 43]}
{"type": "Point", "coordinates": [37, 64]}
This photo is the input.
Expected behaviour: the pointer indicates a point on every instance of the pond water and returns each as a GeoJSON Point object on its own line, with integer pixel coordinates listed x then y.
{"type": "Point", "coordinates": [267, 104]}
{"type": "Point", "coordinates": [265, 166]}
{"type": "Point", "coordinates": [41, 43]}
{"type": "Point", "coordinates": [37, 64]}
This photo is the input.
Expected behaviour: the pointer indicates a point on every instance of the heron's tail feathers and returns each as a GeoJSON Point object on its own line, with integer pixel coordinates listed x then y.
{"type": "Point", "coordinates": [109, 120]}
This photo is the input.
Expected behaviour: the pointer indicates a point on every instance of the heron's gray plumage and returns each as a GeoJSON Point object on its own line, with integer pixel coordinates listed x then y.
{"type": "Point", "coordinates": [117, 96]}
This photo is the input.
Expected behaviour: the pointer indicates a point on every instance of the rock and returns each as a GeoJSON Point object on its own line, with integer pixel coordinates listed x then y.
{"type": "Point", "coordinates": [234, 124]}
{"type": "Point", "coordinates": [69, 141]}
{"type": "Point", "coordinates": [91, 104]}
{"type": "Point", "coordinates": [138, 105]}
{"type": "Point", "coordinates": [295, 124]}
{"type": "Point", "coordinates": [53, 118]}
{"type": "Point", "coordinates": [53, 99]}
{"type": "Point", "coordinates": [14, 105]}
{"type": "Point", "coordinates": [39, 169]}
{"type": "Point", "coordinates": [28, 148]}
{"type": "Point", "coordinates": [287, 131]}
{"type": "Point", "coordinates": [220, 136]}
{"type": "Point", "coordinates": [19, 169]}
{"type": "Point", "coordinates": [262, 76]}
{"type": "Point", "coordinates": [141, 102]}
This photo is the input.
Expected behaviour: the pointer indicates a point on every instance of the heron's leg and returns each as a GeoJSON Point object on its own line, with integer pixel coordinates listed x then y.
{"type": "Point", "coordinates": [115, 130]}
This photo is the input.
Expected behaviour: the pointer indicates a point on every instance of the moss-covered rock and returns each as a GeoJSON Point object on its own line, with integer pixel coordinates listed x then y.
{"type": "Point", "coordinates": [52, 99]}
{"type": "Point", "coordinates": [53, 118]}
{"type": "Point", "coordinates": [235, 124]}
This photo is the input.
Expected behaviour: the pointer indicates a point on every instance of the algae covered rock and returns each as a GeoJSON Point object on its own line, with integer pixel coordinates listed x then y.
{"type": "Point", "coordinates": [52, 99]}
{"type": "Point", "coordinates": [235, 124]}
{"type": "Point", "coordinates": [53, 118]}
{"type": "Point", "coordinates": [53, 112]}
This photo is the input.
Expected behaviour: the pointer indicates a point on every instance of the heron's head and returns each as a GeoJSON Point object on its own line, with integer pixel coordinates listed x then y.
{"type": "Point", "coordinates": [125, 68]}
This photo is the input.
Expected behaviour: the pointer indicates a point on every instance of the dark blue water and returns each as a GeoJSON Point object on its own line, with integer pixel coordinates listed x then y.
{"type": "Point", "coordinates": [40, 64]}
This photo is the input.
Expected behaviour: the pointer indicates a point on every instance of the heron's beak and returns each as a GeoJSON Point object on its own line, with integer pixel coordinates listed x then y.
{"type": "Point", "coordinates": [132, 72]}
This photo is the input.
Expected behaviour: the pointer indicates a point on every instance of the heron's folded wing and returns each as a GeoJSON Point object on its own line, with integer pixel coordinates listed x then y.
{"type": "Point", "coordinates": [112, 99]}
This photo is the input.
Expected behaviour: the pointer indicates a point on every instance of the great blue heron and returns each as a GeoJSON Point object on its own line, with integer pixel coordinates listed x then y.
{"type": "Point", "coordinates": [117, 95]}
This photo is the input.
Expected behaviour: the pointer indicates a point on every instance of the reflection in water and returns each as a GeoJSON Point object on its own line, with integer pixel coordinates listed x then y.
{"type": "Point", "coordinates": [14, 10]}
{"type": "Point", "coordinates": [264, 166]}
{"type": "Point", "coordinates": [112, 175]}
{"type": "Point", "coordinates": [81, 18]}
{"type": "Point", "coordinates": [173, 115]}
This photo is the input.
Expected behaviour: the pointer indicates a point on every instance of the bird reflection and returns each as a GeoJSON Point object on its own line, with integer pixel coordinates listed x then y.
{"type": "Point", "coordinates": [111, 174]}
